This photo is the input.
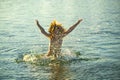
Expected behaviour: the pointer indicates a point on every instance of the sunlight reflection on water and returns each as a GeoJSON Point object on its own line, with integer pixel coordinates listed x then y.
{"type": "Point", "coordinates": [96, 38]}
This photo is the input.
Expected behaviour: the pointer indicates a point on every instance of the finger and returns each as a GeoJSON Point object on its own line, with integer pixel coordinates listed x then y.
{"type": "Point", "coordinates": [36, 20]}
{"type": "Point", "coordinates": [80, 19]}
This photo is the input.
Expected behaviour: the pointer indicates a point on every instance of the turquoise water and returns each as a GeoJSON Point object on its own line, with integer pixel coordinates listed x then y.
{"type": "Point", "coordinates": [98, 36]}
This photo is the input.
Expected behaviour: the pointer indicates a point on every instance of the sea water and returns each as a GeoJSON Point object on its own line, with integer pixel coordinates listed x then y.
{"type": "Point", "coordinates": [96, 39]}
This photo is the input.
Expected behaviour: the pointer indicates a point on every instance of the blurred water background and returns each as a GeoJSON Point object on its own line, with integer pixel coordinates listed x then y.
{"type": "Point", "coordinates": [98, 36]}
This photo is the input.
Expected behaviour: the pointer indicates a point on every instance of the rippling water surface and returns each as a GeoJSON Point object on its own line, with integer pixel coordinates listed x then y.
{"type": "Point", "coordinates": [98, 36]}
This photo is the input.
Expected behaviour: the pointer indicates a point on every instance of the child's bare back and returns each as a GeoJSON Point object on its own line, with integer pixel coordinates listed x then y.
{"type": "Point", "coordinates": [56, 35]}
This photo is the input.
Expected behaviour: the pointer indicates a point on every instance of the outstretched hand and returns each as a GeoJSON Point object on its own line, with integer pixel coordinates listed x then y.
{"type": "Point", "coordinates": [41, 28]}
{"type": "Point", "coordinates": [36, 21]}
{"type": "Point", "coordinates": [80, 20]}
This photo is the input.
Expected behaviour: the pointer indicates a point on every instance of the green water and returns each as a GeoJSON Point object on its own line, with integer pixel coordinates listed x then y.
{"type": "Point", "coordinates": [97, 39]}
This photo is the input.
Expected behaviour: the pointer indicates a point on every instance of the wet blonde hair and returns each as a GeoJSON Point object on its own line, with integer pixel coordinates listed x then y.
{"type": "Point", "coordinates": [55, 24]}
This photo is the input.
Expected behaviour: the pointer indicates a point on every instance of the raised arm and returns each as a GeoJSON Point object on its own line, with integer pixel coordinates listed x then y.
{"type": "Point", "coordinates": [72, 27]}
{"type": "Point", "coordinates": [41, 29]}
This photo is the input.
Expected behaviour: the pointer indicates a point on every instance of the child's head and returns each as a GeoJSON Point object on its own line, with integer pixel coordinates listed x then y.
{"type": "Point", "coordinates": [55, 26]}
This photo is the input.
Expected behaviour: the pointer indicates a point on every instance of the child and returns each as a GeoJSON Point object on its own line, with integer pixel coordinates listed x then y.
{"type": "Point", "coordinates": [56, 35]}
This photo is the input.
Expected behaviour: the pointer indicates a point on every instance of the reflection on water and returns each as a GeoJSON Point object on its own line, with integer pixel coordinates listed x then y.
{"type": "Point", "coordinates": [59, 72]}
{"type": "Point", "coordinates": [53, 71]}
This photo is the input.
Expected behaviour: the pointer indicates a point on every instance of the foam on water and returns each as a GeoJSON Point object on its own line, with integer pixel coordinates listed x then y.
{"type": "Point", "coordinates": [67, 56]}
{"type": "Point", "coordinates": [36, 58]}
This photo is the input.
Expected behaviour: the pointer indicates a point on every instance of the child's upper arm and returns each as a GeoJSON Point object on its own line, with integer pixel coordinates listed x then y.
{"type": "Point", "coordinates": [45, 33]}
{"type": "Point", "coordinates": [72, 27]}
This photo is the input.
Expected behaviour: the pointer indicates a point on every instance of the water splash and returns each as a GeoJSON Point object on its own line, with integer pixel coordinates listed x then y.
{"type": "Point", "coordinates": [68, 54]}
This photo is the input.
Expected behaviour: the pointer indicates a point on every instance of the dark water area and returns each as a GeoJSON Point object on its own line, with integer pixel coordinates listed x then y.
{"type": "Point", "coordinates": [97, 38]}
